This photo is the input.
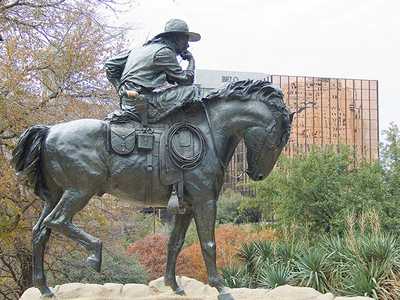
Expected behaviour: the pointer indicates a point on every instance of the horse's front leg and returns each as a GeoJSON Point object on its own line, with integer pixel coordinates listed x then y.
{"type": "Point", "coordinates": [205, 214]}
{"type": "Point", "coordinates": [176, 240]}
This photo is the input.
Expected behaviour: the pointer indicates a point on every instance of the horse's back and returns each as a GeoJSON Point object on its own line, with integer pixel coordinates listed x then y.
{"type": "Point", "coordinates": [75, 154]}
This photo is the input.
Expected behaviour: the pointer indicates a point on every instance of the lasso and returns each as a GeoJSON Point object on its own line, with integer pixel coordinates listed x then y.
{"type": "Point", "coordinates": [180, 161]}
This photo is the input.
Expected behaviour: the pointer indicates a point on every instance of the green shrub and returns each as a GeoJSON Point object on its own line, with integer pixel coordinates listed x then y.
{"type": "Point", "coordinates": [371, 266]}
{"type": "Point", "coordinates": [248, 254]}
{"type": "Point", "coordinates": [287, 251]}
{"type": "Point", "coordinates": [313, 269]}
{"type": "Point", "coordinates": [116, 268]}
{"type": "Point", "coordinates": [228, 207]}
{"type": "Point", "coordinates": [273, 275]}
{"type": "Point", "coordinates": [235, 277]}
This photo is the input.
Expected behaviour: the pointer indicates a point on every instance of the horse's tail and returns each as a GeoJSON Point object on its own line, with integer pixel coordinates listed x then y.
{"type": "Point", "coordinates": [26, 156]}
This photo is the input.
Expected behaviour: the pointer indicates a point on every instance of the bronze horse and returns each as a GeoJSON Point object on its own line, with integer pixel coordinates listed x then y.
{"type": "Point", "coordinates": [68, 163]}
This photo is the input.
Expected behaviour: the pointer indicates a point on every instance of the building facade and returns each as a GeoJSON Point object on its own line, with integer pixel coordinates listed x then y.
{"type": "Point", "coordinates": [340, 112]}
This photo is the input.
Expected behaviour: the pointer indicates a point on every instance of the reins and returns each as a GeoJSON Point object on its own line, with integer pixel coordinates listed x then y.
{"type": "Point", "coordinates": [213, 138]}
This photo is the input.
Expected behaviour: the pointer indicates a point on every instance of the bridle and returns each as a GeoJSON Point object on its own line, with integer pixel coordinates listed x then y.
{"type": "Point", "coordinates": [221, 163]}
{"type": "Point", "coordinates": [259, 153]}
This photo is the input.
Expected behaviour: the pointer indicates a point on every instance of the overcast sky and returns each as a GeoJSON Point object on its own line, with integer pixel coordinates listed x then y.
{"type": "Point", "coordinates": [322, 38]}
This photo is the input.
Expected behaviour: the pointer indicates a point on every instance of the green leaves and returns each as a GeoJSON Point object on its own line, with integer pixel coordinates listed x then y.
{"type": "Point", "coordinates": [363, 261]}
{"type": "Point", "coordinates": [313, 269]}
{"type": "Point", "coordinates": [117, 268]}
{"type": "Point", "coordinates": [274, 275]}
{"type": "Point", "coordinates": [318, 189]}
{"type": "Point", "coordinates": [235, 277]}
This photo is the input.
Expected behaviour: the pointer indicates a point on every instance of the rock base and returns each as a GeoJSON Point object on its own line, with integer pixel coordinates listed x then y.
{"type": "Point", "coordinates": [195, 290]}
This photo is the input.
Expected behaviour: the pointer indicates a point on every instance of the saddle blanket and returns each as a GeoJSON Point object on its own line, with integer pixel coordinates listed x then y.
{"type": "Point", "coordinates": [171, 147]}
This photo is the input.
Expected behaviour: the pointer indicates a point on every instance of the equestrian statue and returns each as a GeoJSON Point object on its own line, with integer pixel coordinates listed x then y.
{"type": "Point", "coordinates": [168, 146]}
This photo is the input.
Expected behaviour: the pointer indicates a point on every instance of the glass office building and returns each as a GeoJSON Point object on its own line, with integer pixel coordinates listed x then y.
{"type": "Point", "coordinates": [345, 112]}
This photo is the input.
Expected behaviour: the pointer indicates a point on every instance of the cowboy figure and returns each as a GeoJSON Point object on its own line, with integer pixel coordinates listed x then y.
{"type": "Point", "coordinates": [152, 72]}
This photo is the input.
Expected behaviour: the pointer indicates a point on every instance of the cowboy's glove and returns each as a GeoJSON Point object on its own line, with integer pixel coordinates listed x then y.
{"type": "Point", "coordinates": [186, 55]}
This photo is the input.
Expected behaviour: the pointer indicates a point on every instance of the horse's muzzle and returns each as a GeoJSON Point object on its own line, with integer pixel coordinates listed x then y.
{"type": "Point", "coordinates": [256, 176]}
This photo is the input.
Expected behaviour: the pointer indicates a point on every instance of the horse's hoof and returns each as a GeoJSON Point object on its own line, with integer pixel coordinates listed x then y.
{"type": "Point", "coordinates": [46, 292]}
{"type": "Point", "coordinates": [94, 263]}
{"type": "Point", "coordinates": [94, 260]}
{"type": "Point", "coordinates": [180, 291]}
{"type": "Point", "coordinates": [171, 283]}
{"type": "Point", "coordinates": [225, 296]}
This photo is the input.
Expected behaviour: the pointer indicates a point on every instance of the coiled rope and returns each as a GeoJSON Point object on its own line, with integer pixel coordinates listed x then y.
{"type": "Point", "coordinates": [180, 161]}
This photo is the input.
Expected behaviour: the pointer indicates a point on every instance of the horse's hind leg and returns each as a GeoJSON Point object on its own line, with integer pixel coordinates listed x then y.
{"type": "Point", "coordinates": [177, 237]}
{"type": "Point", "coordinates": [40, 236]}
{"type": "Point", "coordinates": [60, 219]}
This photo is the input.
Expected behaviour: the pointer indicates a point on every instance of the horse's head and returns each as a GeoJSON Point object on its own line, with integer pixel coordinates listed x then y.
{"type": "Point", "coordinates": [265, 141]}
{"type": "Point", "coordinates": [267, 121]}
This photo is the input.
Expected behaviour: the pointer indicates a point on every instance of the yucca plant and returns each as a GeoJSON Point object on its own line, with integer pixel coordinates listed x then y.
{"type": "Point", "coordinates": [235, 277]}
{"type": "Point", "coordinates": [313, 269]}
{"type": "Point", "coordinates": [364, 280]}
{"type": "Point", "coordinates": [287, 251]}
{"type": "Point", "coordinates": [372, 268]}
{"type": "Point", "coordinates": [264, 252]}
{"type": "Point", "coordinates": [248, 254]}
{"type": "Point", "coordinates": [273, 275]}
{"type": "Point", "coordinates": [380, 248]}
{"type": "Point", "coordinates": [335, 247]}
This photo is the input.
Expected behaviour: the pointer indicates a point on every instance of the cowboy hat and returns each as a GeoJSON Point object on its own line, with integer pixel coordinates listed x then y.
{"type": "Point", "coordinates": [179, 26]}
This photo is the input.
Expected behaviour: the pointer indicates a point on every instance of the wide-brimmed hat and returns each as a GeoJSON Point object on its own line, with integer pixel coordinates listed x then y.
{"type": "Point", "coordinates": [179, 26]}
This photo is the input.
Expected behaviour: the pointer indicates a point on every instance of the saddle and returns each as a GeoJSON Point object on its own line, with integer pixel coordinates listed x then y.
{"type": "Point", "coordinates": [170, 149]}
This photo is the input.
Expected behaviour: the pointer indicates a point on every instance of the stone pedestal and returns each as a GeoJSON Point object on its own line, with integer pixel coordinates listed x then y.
{"type": "Point", "coordinates": [195, 290]}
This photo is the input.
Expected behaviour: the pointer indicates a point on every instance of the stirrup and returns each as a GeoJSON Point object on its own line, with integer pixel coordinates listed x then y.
{"type": "Point", "coordinates": [175, 203]}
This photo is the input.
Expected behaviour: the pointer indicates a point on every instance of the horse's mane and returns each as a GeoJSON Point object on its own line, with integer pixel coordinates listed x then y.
{"type": "Point", "coordinates": [259, 90]}
{"type": "Point", "coordinates": [245, 90]}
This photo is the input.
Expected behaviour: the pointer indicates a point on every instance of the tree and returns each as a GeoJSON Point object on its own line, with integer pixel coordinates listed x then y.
{"type": "Point", "coordinates": [319, 189]}
{"type": "Point", "coordinates": [51, 54]}
{"type": "Point", "coordinates": [390, 161]}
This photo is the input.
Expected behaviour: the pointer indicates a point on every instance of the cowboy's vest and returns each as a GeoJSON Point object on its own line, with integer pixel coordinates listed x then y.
{"type": "Point", "coordinates": [140, 69]}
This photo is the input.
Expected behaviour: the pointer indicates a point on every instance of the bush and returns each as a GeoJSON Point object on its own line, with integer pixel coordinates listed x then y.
{"type": "Point", "coordinates": [229, 239]}
{"type": "Point", "coordinates": [274, 275]}
{"type": "Point", "coordinates": [318, 189]}
{"type": "Point", "coordinates": [228, 207]}
{"type": "Point", "coordinates": [116, 268]}
{"type": "Point", "coordinates": [152, 254]}
{"type": "Point", "coordinates": [235, 277]}
{"type": "Point", "coordinates": [313, 269]}
{"type": "Point", "coordinates": [365, 261]}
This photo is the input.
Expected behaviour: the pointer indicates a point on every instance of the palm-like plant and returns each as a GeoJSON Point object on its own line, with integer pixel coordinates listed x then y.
{"type": "Point", "coordinates": [286, 252]}
{"type": "Point", "coordinates": [363, 281]}
{"type": "Point", "coordinates": [274, 275]}
{"type": "Point", "coordinates": [372, 267]}
{"type": "Point", "coordinates": [313, 269]}
{"type": "Point", "coordinates": [264, 252]}
{"type": "Point", "coordinates": [248, 254]}
{"type": "Point", "coordinates": [235, 277]}
{"type": "Point", "coordinates": [380, 248]}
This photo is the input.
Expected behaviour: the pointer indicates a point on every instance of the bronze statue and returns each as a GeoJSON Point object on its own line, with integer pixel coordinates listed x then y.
{"type": "Point", "coordinates": [153, 70]}
{"type": "Point", "coordinates": [185, 144]}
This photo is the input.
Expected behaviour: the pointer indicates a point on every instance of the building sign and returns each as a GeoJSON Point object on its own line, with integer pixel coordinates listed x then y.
{"type": "Point", "coordinates": [226, 78]}
{"type": "Point", "coordinates": [210, 79]}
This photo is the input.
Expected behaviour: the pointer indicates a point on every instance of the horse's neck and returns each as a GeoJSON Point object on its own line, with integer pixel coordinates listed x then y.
{"type": "Point", "coordinates": [229, 121]}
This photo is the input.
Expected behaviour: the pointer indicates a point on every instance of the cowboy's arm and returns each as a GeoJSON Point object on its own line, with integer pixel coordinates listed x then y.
{"type": "Point", "coordinates": [165, 59]}
{"type": "Point", "coordinates": [115, 67]}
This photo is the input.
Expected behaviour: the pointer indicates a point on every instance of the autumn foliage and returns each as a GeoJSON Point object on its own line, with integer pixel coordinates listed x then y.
{"type": "Point", "coordinates": [229, 238]}
{"type": "Point", "coordinates": [51, 55]}
{"type": "Point", "coordinates": [152, 251]}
